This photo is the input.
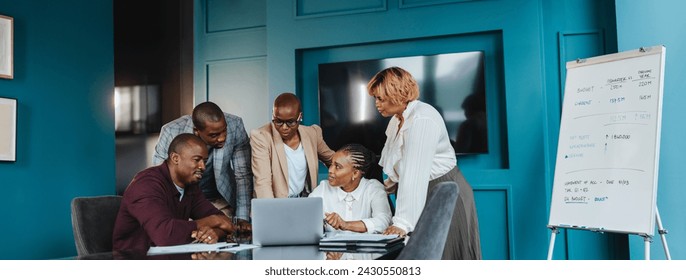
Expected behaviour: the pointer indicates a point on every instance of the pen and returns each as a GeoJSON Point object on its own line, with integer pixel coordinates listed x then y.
{"type": "Point", "coordinates": [228, 246]}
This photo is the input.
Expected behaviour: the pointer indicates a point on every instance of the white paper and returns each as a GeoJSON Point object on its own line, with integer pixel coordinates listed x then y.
{"type": "Point", "coordinates": [199, 247]}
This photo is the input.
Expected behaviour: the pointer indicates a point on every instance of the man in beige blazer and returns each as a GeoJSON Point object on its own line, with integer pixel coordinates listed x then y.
{"type": "Point", "coordinates": [285, 154]}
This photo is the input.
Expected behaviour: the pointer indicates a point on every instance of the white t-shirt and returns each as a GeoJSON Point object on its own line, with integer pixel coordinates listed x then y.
{"type": "Point", "coordinates": [367, 203]}
{"type": "Point", "coordinates": [297, 169]}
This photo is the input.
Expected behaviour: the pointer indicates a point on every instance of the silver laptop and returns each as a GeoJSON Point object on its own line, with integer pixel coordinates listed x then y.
{"type": "Point", "coordinates": [287, 221]}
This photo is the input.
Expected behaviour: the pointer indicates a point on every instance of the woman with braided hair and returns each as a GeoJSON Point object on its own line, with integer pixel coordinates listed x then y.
{"type": "Point", "coordinates": [353, 202]}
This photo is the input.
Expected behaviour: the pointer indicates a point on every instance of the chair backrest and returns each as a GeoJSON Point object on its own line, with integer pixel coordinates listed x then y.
{"type": "Point", "coordinates": [92, 220]}
{"type": "Point", "coordinates": [429, 236]}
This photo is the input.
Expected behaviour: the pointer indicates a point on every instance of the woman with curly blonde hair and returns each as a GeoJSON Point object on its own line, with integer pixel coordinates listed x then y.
{"type": "Point", "coordinates": [416, 157]}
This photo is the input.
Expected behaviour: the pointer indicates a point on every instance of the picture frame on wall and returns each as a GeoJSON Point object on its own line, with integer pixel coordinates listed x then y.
{"type": "Point", "coordinates": [6, 47]}
{"type": "Point", "coordinates": [8, 129]}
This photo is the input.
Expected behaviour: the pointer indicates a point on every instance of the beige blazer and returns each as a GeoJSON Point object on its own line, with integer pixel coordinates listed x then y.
{"type": "Point", "coordinates": [269, 164]}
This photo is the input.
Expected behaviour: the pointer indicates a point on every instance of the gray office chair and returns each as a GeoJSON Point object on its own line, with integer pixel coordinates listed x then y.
{"type": "Point", "coordinates": [92, 220]}
{"type": "Point", "coordinates": [429, 236]}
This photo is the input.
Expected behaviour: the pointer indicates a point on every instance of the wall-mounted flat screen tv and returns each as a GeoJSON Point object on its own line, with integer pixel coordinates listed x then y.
{"type": "Point", "coordinates": [453, 83]}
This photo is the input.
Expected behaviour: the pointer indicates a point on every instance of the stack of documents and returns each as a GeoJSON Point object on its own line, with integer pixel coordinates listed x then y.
{"type": "Point", "coordinates": [360, 242]}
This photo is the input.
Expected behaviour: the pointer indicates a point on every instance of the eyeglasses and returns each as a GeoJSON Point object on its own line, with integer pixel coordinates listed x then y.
{"type": "Point", "coordinates": [289, 123]}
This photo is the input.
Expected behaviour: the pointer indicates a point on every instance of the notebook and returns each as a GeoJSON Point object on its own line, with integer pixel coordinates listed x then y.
{"type": "Point", "coordinates": [287, 221]}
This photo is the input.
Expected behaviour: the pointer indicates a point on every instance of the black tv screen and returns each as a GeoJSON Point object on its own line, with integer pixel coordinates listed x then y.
{"type": "Point", "coordinates": [452, 83]}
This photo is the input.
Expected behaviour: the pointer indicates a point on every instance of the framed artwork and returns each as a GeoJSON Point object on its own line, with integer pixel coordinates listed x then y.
{"type": "Point", "coordinates": [6, 47]}
{"type": "Point", "coordinates": [8, 129]}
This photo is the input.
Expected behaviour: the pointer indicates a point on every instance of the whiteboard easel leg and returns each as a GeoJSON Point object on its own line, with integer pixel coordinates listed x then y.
{"type": "Point", "coordinates": [646, 248]}
{"type": "Point", "coordinates": [662, 232]}
{"type": "Point", "coordinates": [552, 243]}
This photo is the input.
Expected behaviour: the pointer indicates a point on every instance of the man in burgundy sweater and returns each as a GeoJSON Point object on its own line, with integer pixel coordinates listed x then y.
{"type": "Point", "coordinates": [160, 200]}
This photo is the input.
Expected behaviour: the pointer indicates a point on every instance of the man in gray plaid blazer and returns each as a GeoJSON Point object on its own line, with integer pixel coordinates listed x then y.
{"type": "Point", "coordinates": [227, 180]}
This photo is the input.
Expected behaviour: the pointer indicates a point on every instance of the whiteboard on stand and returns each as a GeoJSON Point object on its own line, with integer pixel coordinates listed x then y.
{"type": "Point", "coordinates": [609, 145]}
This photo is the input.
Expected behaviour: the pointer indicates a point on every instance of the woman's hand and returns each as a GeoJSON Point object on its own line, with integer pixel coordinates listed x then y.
{"type": "Point", "coordinates": [390, 186]}
{"type": "Point", "coordinates": [333, 255]}
{"type": "Point", "coordinates": [335, 221]}
{"type": "Point", "coordinates": [395, 230]}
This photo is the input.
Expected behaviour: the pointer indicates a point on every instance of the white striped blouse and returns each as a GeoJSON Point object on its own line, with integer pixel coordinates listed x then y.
{"type": "Point", "coordinates": [412, 156]}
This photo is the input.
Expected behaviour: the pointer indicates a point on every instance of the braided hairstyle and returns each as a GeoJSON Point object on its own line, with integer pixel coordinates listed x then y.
{"type": "Point", "coordinates": [362, 158]}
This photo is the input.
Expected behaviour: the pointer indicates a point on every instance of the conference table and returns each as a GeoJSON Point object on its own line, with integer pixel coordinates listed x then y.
{"type": "Point", "coordinates": [293, 252]}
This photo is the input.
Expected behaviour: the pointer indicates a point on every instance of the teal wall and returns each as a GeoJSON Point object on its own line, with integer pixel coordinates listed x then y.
{"type": "Point", "coordinates": [651, 23]}
{"type": "Point", "coordinates": [63, 83]}
{"type": "Point", "coordinates": [64, 71]}
{"type": "Point", "coordinates": [230, 64]}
